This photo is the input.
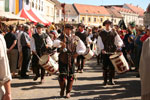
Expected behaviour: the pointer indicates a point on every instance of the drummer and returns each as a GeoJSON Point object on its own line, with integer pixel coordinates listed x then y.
{"type": "Point", "coordinates": [71, 47]}
{"type": "Point", "coordinates": [109, 42]}
{"type": "Point", "coordinates": [40, 42]}
{"type": "Point", "coordinates": [83, 35]}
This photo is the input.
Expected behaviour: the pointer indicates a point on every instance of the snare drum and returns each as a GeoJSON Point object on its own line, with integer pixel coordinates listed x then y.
{"type": "Point", "coordinates": [88, 54]}
{"type": "Point", "coordinates": [119, 62]}
{"type": "Point", "coordinates": [48, 64]}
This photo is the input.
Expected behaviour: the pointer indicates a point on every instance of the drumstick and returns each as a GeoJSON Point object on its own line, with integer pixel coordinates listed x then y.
{"type": "Point", "coordinates": [38, 57]}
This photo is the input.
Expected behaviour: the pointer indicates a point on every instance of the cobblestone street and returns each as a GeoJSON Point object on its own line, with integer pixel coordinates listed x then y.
{"type": "Point", "coordinates": [88, 86]}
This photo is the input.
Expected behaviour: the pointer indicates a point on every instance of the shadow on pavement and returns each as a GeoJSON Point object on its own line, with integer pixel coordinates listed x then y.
{"type": "Point", "coordinates": [131, 89]}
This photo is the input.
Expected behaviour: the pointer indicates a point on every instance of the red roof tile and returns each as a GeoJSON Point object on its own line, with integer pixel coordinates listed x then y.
{"type": "Point", "coordinates": [136, 9]}
{"type": "Point", "coordinates": [123, 9]}
{"type": "Point", "coordinates": [91, 9]}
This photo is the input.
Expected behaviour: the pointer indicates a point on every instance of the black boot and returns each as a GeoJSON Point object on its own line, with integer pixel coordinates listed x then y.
{"type": "Point", "coordinates": [62, 84]}
{"type": "Point", "coordinates": [105, 77]}
{"type": "Point", "coordinates": [111, 76]}
{"type": "Point", "coordinates": [69, 88]}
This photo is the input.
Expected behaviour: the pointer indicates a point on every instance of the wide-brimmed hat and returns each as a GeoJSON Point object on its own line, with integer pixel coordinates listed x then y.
{"type": "Point", "coordinates": [107, 22]}
{"type": "Point", "coordinates": [39, 25]}
{"type": "Point", "coordinates": [68, 26]}
{"type": "Point", "coordinates": [81, 24]}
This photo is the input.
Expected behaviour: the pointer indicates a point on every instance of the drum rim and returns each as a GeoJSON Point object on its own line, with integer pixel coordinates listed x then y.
{"type": "Point", "coordinates": [118, 55]}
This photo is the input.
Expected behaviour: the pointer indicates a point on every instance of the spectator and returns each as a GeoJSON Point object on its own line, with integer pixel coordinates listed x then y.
{"type": "Point", "coordinates": [12, 51]}
{"type": "Point", "coordinates": [146, 35]}
{"type": "Point", "coordinates": [138, 46]}
{"type": "Point", "coordinates": [25, 43]}
{"type": "Point", "coordinates": [5, 75]}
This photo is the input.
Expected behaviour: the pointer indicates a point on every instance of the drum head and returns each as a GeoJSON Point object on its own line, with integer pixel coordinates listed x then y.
{"type": "Point", "coordinates": [44, 59]}
{"type": "Point", "coordinates": [115, 55]}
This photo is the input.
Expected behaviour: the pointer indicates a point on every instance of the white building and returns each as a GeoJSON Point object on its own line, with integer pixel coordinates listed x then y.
{"type": "Point", "coordinates": [128, 15]}
{"type": "Point", "coordinates": [2, 5]}
{"type": "Point", "coordinates": [44, 7]}
{"type": "Point", "coordinates": [138, 10]}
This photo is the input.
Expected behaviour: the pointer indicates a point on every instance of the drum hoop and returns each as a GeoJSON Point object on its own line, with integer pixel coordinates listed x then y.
{"type": "Point", "coordinates": [116, 57]}
{"type": "Point", "coordinates": [46, 61]}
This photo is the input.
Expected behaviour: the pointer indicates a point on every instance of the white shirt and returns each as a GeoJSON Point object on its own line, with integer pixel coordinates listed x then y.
{"type": "Point", "coordinates": [118, 42]}
{"type": "Point", "coordinates": [80, 49]}
{"type": "Point", "coordinates": [49, 42]}
{"type": "Point", "coordinates": [5, 74]}
{"type": "Point", "coordinates": [19, 41]}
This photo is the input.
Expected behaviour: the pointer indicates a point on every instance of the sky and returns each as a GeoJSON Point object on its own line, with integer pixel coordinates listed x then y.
{"type": "Point", "coordinates": [142, 3]}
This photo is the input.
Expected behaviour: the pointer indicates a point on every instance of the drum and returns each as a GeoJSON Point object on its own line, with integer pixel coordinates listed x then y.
{"type": "Point", "coordinates": [55, 56]}
{"type": "Point", "coordinates": [48, 64]}
{"type": "Point", "coordinates": [119, 62]}
{"type": "Point", "coordinates": [88, 54]}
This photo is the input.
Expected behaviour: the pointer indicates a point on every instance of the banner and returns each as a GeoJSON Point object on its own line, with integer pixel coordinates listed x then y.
{"type": "Point", "coordinates": [16, 6]}
{"type": "Point", "coordinates": [7, 5]}
{"type": "Point", "coordinates": [20, 5]}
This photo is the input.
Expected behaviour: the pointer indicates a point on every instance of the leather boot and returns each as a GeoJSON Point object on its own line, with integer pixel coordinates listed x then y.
{"type": "Point", "coordinates": [62, 84]}
{"type": "Point", "coordinates": [111, 76]}
{"type": "Point", "coordinates": [69, 88]}
{"type": "Point", "coordinates": [105, 77]}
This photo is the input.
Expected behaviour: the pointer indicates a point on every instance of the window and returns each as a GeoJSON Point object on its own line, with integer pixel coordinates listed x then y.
{"type": "Point", "coordinates": [83, 19]}
{"type": "Point", "coordinates": [89, 19]}
{"type": "Point", "coordinates": [42, 6]}
{"type": "Point", "coordinates": [94, 19]}
{"type": "Point", "coordinates": [32, 4]}
{"type": "Point", "coordinates": [39, 7]}
{"type": "Point", "coordinates": [101, 19]}
{"type": "Point", "coordinates": [36, 7]}
{"type": "Point", "coordinates": [114, 20]}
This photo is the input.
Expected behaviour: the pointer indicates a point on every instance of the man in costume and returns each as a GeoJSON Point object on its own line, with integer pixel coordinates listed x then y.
{"type": "Point", "coordinates": [71, 47]}
{"type": "Point", "coordinates": [109, 42]}
{"type": "Point", "coordinates": [40, 42]}
{"type": "Point", "coordinates": [82, 34]}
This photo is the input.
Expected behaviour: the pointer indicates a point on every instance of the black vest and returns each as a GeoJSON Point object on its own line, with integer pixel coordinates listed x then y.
{"type": "Point", "coordinates": [108, 39]}
{"type": "Point", "coordinates": [82, 36]}
{"type": "Point", "coordinates": [40, 42]}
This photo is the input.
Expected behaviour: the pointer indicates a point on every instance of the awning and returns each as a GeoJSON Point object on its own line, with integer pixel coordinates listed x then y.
{"type": "Point", "coordinates": [33, 16]}
{"type": "Point", "coordinates": [24, 14]}
{"type": "Point", "coordinates": [9, 15]}
{"type": "Point", "coordinates": [37, 16]}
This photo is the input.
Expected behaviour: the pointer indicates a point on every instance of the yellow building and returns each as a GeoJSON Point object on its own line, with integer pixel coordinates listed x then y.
{"type": "Point", "coordinates": [92, 15]}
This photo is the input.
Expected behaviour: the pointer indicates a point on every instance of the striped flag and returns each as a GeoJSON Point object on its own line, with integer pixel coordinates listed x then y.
{"type": "Point", "coordinates": [20, 5]}
{"type": "Point", "coordinates": [16, 6]}
{"type": "Point", "coordinates": [7, 5]}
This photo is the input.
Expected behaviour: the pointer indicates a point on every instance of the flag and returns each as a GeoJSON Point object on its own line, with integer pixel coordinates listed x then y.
{"type": "Point", "coordinates": [16, 6]}
{"type": "Point", "coordinates": [12, 6]}
{"type": "Point", "coordinates": [20, 5]}
{"type": "Point", "coordinates": [7, 5]}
